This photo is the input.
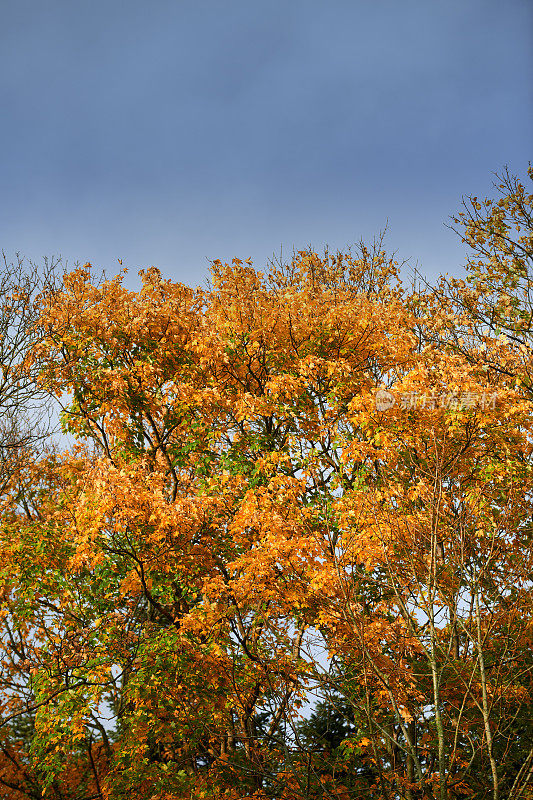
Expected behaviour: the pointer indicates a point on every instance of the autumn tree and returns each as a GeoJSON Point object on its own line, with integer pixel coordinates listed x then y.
{"type": "Point", "coordinates": [206, 410]}
{"type": "Point", "coordinates": [25, 427]}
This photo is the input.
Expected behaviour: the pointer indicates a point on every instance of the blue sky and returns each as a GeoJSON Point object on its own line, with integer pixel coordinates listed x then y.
{"type": "Point", "coordinates": [170, 133]}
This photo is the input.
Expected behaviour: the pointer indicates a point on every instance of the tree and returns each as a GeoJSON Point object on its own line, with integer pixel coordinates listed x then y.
{"type": "Point", "coordinates": [25, 427]}
{"type": "Point", "coordinates": [194, 506]}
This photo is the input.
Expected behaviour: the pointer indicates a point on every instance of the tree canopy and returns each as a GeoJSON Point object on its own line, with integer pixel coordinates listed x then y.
{"type": "Point", "coordinates": [288, 551]}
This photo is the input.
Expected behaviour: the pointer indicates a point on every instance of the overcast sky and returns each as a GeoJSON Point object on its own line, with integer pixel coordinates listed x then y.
{"type": "Point", "coordinates": [172, 132]}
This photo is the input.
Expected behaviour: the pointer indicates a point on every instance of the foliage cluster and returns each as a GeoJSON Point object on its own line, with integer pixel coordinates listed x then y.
{"type": "Point", "coordinates": [249, 577]}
